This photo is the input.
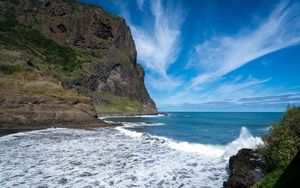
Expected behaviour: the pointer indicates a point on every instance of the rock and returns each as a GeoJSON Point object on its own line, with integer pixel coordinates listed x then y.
{"type": "Point", "coordinates": [246, 168]}
{"type": "Point", "coordinates": [22, 110]}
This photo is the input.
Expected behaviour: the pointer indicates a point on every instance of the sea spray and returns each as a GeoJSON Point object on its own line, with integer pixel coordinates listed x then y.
{"type": "Point", "coordinates": [245, 140]}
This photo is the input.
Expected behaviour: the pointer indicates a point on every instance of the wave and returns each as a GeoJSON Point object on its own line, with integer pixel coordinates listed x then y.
{"type": "Point", "coordinates": [129, 132]}
{"type": "Point", "coordinates": [245, 140]}
{"type": "Point", "coordinates": [154, 115]}
{"type": "Point", "coordinates": [142, 124]}
{"type": "Point", "coordinates": [202, 149]}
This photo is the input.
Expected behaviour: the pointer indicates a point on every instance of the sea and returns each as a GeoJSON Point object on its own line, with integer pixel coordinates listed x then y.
{"type": "Point", "coordinates": [173, 149]}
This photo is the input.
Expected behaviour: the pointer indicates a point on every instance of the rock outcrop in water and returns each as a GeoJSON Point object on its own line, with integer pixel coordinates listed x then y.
{"type": "Point", "coordinates": [64, 57]}
{"type": "Point", "coordinates": [246, 168]}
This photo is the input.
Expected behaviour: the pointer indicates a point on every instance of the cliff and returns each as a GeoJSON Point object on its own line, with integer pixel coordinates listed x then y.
{"type": "Point", "coordinates": [63, 56]}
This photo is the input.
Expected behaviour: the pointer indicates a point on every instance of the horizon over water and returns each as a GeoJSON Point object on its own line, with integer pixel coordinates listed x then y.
{"type": "Point", "coordinates": [180, 149]}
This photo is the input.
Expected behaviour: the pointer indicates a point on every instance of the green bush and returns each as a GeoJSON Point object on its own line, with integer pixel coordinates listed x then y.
{"type": "Point", "coordinates": [10, 68]}
{"type": "Point", "coordinates": [54, 53]}
{"type": "Point", "coordinates": [281, 146]}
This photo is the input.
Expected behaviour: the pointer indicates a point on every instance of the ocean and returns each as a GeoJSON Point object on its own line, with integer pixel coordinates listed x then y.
{"type": "Point", "coordinates": [176, 149]}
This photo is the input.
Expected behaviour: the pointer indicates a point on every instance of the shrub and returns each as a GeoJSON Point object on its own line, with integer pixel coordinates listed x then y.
{"type": "Point", "coordinates": [10, 68]}
{"type": "Point", "coordinates": [281, 146]}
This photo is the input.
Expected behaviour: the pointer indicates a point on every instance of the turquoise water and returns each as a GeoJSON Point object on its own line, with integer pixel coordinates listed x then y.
{"type": "Point", "coordinates": [217, 128]}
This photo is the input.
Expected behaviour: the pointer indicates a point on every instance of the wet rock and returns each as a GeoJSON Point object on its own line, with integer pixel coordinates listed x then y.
{"type": "Point", "coordinates": [63, 181]}
{"type": "Point", "coordinates": [246, 168]}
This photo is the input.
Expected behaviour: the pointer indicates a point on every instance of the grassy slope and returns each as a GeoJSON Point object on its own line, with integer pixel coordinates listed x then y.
{"type": "Point", "coordinates": [280, 148]}
{"type": "Point", "coordinates": [110, 104]}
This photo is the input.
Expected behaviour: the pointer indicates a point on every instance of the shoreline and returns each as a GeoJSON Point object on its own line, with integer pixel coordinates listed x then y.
{"type": "Point", "coordinates": [8, 131]}
{"type": "Point", "coordinates": [12, 130]}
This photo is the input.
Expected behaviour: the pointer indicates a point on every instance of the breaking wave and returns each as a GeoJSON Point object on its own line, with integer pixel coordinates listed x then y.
{"type": "Point", "coordinates": [245, 140]}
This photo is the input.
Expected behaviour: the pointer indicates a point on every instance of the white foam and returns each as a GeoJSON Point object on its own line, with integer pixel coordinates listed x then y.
{"type": "Point", "coordinates": [111, 157]}
{"type": "Point", "coordinates": [128, 132]}
{"type": "Point", "coordinates": [201, 149]}
{"type": "Point", "coordinates": [102, 158]}
{"type": "Point", "coordinates": [142, 124]}
{"type": "Point", "coordinates": [150, 116]}
{"type": "Point", "coordinates": [245, 140]}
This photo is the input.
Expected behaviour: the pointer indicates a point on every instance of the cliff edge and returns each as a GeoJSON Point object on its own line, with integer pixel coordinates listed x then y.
{"type": "Point", "coordinates": [65, 62]}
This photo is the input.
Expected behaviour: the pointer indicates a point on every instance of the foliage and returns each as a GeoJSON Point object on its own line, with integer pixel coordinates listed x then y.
{"type": "Point", "coordinates": [53, 52]}
{"type": "Point", "coordinates": [10, 69]}
{"type": "Point", "coordinates": [60, 61]}
{"type": "Point", "coordinates": [108, 103]}
{"type": "Point", "coordinates": [281, 146]}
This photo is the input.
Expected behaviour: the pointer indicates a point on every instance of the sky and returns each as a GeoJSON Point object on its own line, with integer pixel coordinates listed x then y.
{"type": "Point", "coordinates": [213, 55]}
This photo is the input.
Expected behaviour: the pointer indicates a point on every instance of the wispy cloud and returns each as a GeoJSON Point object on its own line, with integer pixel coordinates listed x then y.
{"type": "Point", "coordinates": [238, 88]}
{"type": "Point", "coordinates": [221, 55]}
{"type": "Point", "coordinates": [267, 103]}
{"type": "Point", "coordinates": [229, 90]}
{"type": "Point", "coordinates": [158, 47]}
{"type": "Point", "coordinates": [140, 3]}
{"type": "Point", "coordinates": [164, 83]}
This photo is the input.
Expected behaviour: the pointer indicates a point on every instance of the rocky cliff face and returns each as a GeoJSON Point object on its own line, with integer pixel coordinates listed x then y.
{"type": "Point", "coordinates": [88, 50]}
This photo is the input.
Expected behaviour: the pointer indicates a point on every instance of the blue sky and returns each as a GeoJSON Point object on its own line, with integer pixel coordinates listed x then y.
{"type": "Point", "coordinates": [214, 55]}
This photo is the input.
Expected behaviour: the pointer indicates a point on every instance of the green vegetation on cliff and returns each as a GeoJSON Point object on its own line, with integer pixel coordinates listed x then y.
{"type": "Point", "coordinates": [281, 147]}
{"type": "Point", "coordinates": [110, 104]}
{"type": "Point", "coordinates": [32, 47]}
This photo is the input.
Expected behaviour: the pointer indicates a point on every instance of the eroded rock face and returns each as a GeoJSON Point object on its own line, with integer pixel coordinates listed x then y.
{"type": "Point", "coordinates": [19, 110]}
{"type": "Point", "coordinates": [246, 168]}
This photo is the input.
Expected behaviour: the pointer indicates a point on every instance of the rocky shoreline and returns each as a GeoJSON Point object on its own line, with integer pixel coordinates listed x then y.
{"type": "Point", "coordinates": [246, 168]}
{"type": "Point", "coordinates": [101, 124]}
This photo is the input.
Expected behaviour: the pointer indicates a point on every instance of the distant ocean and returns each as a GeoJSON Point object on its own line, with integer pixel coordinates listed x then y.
{"type": "Point", "coordinates": [179, 149]}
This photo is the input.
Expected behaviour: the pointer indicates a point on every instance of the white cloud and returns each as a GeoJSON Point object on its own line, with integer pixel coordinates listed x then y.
{"type": "Point", "coordinates": [226, 90]}
{"type": "Point", "coordinates": [159, 46]}
{"type": "Point", "coordinates": [238, 89]}
{"type": "Point", "coordinates": [221, 55]}
{"type": "Point", "coordinates": [140, 3]}
{"type": "Point", "coordinates": [164, 83]}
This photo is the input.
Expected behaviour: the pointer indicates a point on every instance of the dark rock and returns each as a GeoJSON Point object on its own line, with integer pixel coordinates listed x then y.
{"type": "Point", "coordinates": [79, 41]}
{"type": "Point", "coordinates": [61, 27]}
{"type": "Point", "coordinates": [63, 181]}
{"type": "Point", "coordinates": [246, 168]}
{"type": "Point", "coordinates": [104, 31]}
